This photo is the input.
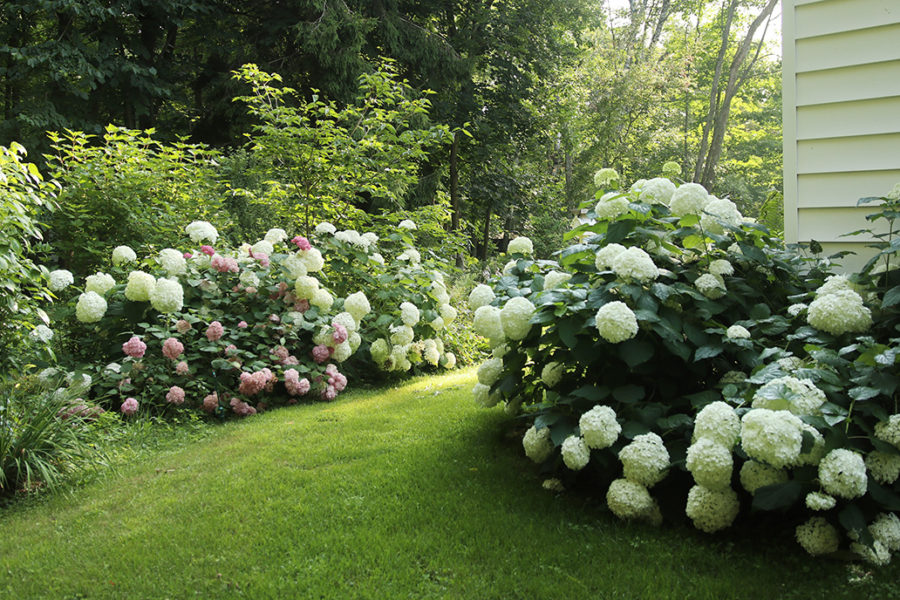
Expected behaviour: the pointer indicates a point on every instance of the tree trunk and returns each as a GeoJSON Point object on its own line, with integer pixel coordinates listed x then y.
{"type": "Point", "coordinates": [486, 234]}
{"type": "Point", "coordinates": [454, 191]}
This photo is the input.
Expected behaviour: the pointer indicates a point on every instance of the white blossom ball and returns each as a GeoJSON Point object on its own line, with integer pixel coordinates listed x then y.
{"type": "Point", "coordinates": [516, 317]}
{"type": "Point", "coordinates": [325, 228]}
{"type": "Point", "coordinates": [342, 351]}
{"type": "Point", "coordinates": [322, 299]}
{"type": "Point", "coordinates": [167, 296]}
{"type": "Point", "coordinates": [412, 255]}
{"type": "Point", "coordinates": [711, 286]}
{"type": "Point", "coordinates": [877, 554]}
{"type": "Point", "coordinates": [42, 333]}
{"type": "Point", "coordinates": [431, 355]}
{"type": "Point", "coordinates": [611, 207]}
{"type": "Point", "coordinates": [294, 265]}
{"type": "Point", "coordinates": [306, 286]}
{"type": "Point", "coordinates": [721, 267]}
{"type": "Point", "coordinates": [537, 443]}
{"type": "Point", "coordinates": [886, 529]}
{"type": "Point", "coordinates": [139, 286]}
{"type": "Point", "coordinates": [487, 323]}
{"type": "Point", "coordinates": [712, 510]}
{"type": "Point", "coordinates": [842, 473]}
{"type": "Point", "coordinates": [312, 259]}
{"type": "Point", "coordinates": [818, 501]}
{"type": "Point", "coordinates": [645, 460]}
{"type": "Point", "coordinates": [834, 283]}
{"type": "Point", "coordinates": [481, 295]}
{"type": "Point", "coordinates": [839, 312]}
{"type": "Point", "coordinates": [407, 224]}
{"type": "Point", "coordinates": [521, 245]}
{"type": "Point", "coordinates": [554, 279]}
{"type": "Point", "coordinates": [889, 431]}
{"type": "Point", "coordinates": [401, 335]}
{"type": "Point", "coordinates": [357, 305]}
{"type": "Point", "coordinates": [773, 437]}
{"type": "Point", "coordinates": [60, 279]}
{"type": "Point", "coordinates": [755, 475]}
{"type": "Point", "coordinates": [631, 501]}
{"type": "Point", "coordinates": [720, 210]}
{"type": "Point", "coordinates": [718, 422]}
{"type": "Point", "coordinates": [448, 313]}
{"type": "Point", "coordinates": [99, 282]}
{"type": "Point", "coordinates": [817, 536]}
{"type": "Point", "coordinates": [202, 231]}
{"type": "Point", "coordinates": [884, 467]}
{"type": "Point", "coordinates": [90, 307]}
{"type": "Point", "coordinates": [485, 399]}
{"type": "Point", "coordinates": [122, 255]}
{"type": "Point", "coordinates": [370, 238]}
{"type": "Point", "coordinates": [737, 332]}
{"type": "Point", "coordinates": [599, 427]}
{"type": "Point", "coordinates": [263, 246]}
{"type": "Point", "coordinates": [800, 396]}
{"type": "Point", "coordinates": [409, 313]}
{"type": "Point", "coordinates": [249, 278]}
{"type": "Point", "coordinates": [172, 261]}
{"type": "Point", "coordinates": [606, 177]}
{"type": "Point", "coordinates": [658, 190]}
{"type": "Point", "coordinates": [448, 360]}
{"type": "Point", "coordinates": [814, 455]}
{"type": "Point", "coordinates": [575, 453]}
{"type": "Point", "coordinates": [688, 199]}
{"type": "Point", "coordinates": [795, 309]}
{"type": "Point", "coordinates": [606, 255]}
{"type": "Point", "coordinates": [275, 235]}
{"type": "Point", "coordinates": [616, 322]}
{"type": "Point", "coordinates": [490, 370]}
{"type": "Point", "coordinates": [347, 320]}
{"type": "Point", "coordinates": [552, 373]}
{"type": "Point", "coordinates": [635, 264]}
{"type": "Point", "coordinates": [380, 351]}
{"type": "Point", "coordinates": [711, 464]}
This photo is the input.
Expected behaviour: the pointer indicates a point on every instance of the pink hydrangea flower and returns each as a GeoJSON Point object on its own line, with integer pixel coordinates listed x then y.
{"type": "Point", "coordinates": [175, 395]}
{"type": "Point", "coordinates": [291, 360]}
{"type": "Point", "coordinates": [262, 257]}
{"type": "Point", "coordinates": [241, 408]}
{"type": "Point", "coordinates": [215, 331]}
{"type": "Point", "coordinates": [302, 305]}
{"type": "Point", "coordinates": [187, 255]}
{"type": "Point", "coordinates": [211, 402]}
{"type": "Point", "coordinates": [335, 378]}
{"type": "Point", "coordinates": [253, 383]}
{"type": "Point", "coordinates": [281, 352]}
{"type": "Point", "coordinates": [129, 407]}
{"type": "Point", "coordinates": [182, 326]}
{"type": "Point", "coordinates": [182, 368]}
{"type": "Point", "coordinates": [134, 347]}
{"type": "Point", "coordinates": [295, 386]}
{"type": "Point", "coordinates": [321, 353]}
{"type": "Point", "coordinates": [225, 264]}
{"type": "Point", "coordinates": [340, 333]}
{"type": "Point", "coordinates": [302, 243]}
{"type": "Point", "coordinates": [250, 289]}
{"type": "Point", "coordinates": [230, 349]}
{"type": "Point", "coordinates": [243, 324]}
{"type": "Point", "coordinates": [275, 318]}
{"type": "Point", "coordinates": [329, 393]}
{"type": "Point", "coordinates": [172, 348]}
{"type": "Point", "coordinates": [207, 250]}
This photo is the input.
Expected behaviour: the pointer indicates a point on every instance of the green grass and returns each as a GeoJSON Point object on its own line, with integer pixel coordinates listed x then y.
{"type": "Point", "coordinates": [410, 492]}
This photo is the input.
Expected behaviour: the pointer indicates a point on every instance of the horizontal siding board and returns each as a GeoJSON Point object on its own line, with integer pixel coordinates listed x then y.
{"type": "Point", "coordinates": [878, 80]}
{"type": "Point", "coordinates": [864, 46]}
{"type": "Point", "coordinates": [824, 18]}
{"type": "Point", "coordinates": [843, 119]}
{"type": "Point", "coordinates": [853, 262]}
{"type": "Point", "coordinates": [862, 153]}
{"type": "Point", "coordinates": [829, 190]}
{"type": "Point", "coordinates": [830, 224]}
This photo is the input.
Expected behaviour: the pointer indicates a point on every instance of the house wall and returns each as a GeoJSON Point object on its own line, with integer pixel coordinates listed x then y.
{"type": "Point", "coordinates": [841, 117]}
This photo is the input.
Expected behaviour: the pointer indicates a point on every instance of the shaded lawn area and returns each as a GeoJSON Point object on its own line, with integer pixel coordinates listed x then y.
{"type": "Point", "coordinates": [408, 492]}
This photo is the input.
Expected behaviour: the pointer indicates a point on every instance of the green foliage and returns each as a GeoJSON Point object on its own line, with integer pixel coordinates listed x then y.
{"type": "Point", "coordinates": [128, 189]}
{"type": "Point", "coordinates": [24, 197]}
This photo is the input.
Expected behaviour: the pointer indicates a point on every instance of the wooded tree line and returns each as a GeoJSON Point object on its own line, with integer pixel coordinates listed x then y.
{"type": "Point", "coordinates": [538, 93]}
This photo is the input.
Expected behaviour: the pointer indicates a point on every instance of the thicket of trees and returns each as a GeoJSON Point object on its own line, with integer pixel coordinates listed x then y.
{"type": "Point", "coordinates": [537, 94]}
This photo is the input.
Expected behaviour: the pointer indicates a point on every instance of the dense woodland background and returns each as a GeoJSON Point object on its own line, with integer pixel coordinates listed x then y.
{"type": "Point", "coordinates": [538, 94]}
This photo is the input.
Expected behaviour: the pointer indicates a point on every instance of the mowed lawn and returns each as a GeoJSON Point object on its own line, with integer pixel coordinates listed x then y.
{"type": "Point", "coordinates": [407, 492]}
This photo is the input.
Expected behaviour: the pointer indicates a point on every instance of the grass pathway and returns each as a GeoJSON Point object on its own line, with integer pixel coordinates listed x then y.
{"type": "Point", "coordinates": [409, 492]}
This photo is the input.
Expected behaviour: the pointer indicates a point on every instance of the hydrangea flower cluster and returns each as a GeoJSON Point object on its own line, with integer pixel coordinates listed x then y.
{"type": "Point", "coordinates": [800, 396]}
{"type": "Point", "coordinates": [616, 322]}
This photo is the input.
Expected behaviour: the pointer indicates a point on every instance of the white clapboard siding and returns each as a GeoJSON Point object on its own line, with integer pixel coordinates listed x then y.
{"type": "Point", "coordinates": [841, 117]}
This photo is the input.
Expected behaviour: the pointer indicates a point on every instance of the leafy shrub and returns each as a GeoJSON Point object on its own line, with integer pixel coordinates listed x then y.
{"type": "Point", "coordinates": [675, 353]}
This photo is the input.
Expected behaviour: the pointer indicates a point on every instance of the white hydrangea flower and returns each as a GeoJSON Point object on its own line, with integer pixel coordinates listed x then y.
{"type": "Point", "coordinates": [537, 443]}
{"type": "Point", "coordinates": [886, 529]}
{"type": "Point", "coordinates": [842, 473]}
{"type": "Point", "coordinates": [357, 305]}
{"type": "Point", "coordinates": [818, 501]}
{"type": "Point", "coordinates": [616, 322]}
{"type": "Point", "coordinates": [599, 427]}
{"type": "Point", "coordinates": [99, 282]}
{"type": "Point", "coordinates": [380, 351]}
{"type": "Point", "coordinates": [487, 323]}
{"type": "Point", "coordinates": [884, 467]}
{"type": "Point", "coordinates": [167, 296]}
{"type": "Point", "coordinates": [554, 279]}
{"type": "Point", "coordinates": [248, 278]}
{"type": "Point", "coordinates": [611, 206]}
{"type": "Point", "coordinates": [575, 453]}
{"type": "Point", "coordinates": [448, 360]}
{"type": "Point", "coordinates": [351, 236]}
{"type": "Point", "coordinates": [711, 286]}
{"type": "Point", "coordinates": [90, 307]}
{"type": "Point", "coordinates": [306, 286]}
{"type": "Point", "coordinates": [606, 177]}
{"type": "Point", "coordinates": [733, 377]}
{"type": "Point", "coordinates": [42, 333]}
{"type": "Point", "coordinates": [322, 299]}
{"type": "Point", "coordinates": [894, 194]}
{"type": "Point", "coordinates": [172, 261]}
{"type": "Point", "coordinates": [431, 354]}
{"type": "Point", "coordinates": [122, 255]}
{"type": "Point", "coordinates": [817, 536]}
{"type": "Point", "coordinates": [721, 267]}
{"type": "Point", "coordinates": [755, 475]}
{"type": "Point", "coordinates": [521, 245]}
{"type": "Point", "coordinates": [490, 370]}
{"type": "Point", "coordinates": [407, 224]}
{"type": "Point", "coordinates": [347, 320]}
{"type": "Point", "coordinates": [294, 317]}
{"type": "Point", "coordinates": [718, 422]}
{"type": "Point", "coordinates": [606, 255]}
{"type": "Point", "coordinates": [342, 351]}
{"type": "Point", "coordinates": [688, 199]}
{"type": "Point", "coordinates": [312, 259]}
{"type": "Point", "coordinates": [645, 460]}
{"type": "Point", "coordinates": [370, 238]}
{"type": "Point", "coordinates": [516, 317]}
{"type": "Point", "coordinates": [200, 231]}
{"type": "Point", "coordinates": [325, 228]}
{"type": "Point", "coordinates": [877, 554]}
{"type": "Point", "coordinates": [60, 279]}
{"type": "Point", "coordinates": [632, 501]}
{"type": "Point", "coordinates": [294, 265]}
{"type": "Point", "coordinates": [412, 255]}
{"type": "Point", "coordinates": [377, 258]}
{"type": "Point", "coordinates": [635, 264]}
{"type": "Point", "coordinates": [795, 309]}
{"type": "Point", "coordinates": [737, 332]}
{"type": "Point", "coordinates": [834, 283]}
{"type": "Point", "coordinates": [658, 190]}
{"type": "Point", "coordinates": [401, 335]}
{"type": "Point", "coordinates": [508, 267]}
{"type": "Point", "coordinates": [552, 373]}
{"type": "Point", "coordinates": [448, 313]}
{"type": "Point", "coordinates": [275, 235]}
{"type": "Point", "coordinates": [720, 209]}
{"type": "Point", "coordinates": [889, 431]}
{"type": "Point", "coordinates": [712, 510]}
{"type": "Point", "coordinates": [409, 313]}
{"type": "Point", "coordinates": [773, 437]}
{"type": "Point", "coordinates": [839, 312]}
{"type": "Point", "coordinates": [439, 290]}
{"type": "Point", "coordinates": [264, 246]}
{"type": "Point", "coordinates": [710, 463]}
{"type": "Point", "coordinates": [800, 396]}
{"type": "Point", "coordinates": [139, 286]}
{"type": "Point", "coordinates": [481, 295]}
{"type": "Point", "coordinates": [500, 350]}
{"type": "Point", "coordinates": [789, 363]}
{"type": "Point", "coordinates": [817, 452]}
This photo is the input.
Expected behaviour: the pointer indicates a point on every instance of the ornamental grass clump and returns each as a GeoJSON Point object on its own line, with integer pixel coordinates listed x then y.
{"type": "Point", "coordinates": [683, 360]}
